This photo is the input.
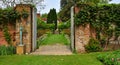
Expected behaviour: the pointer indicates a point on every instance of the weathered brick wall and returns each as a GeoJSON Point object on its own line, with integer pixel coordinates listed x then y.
{"type": "Point", "coordinates": [27, 27]}
{"type": "Point", "coordinates": [11, 29]}
{"type": "Point", "coordinates": [82, 37]}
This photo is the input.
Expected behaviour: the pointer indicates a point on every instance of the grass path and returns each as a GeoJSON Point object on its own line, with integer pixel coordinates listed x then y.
{"type": "Point", "coordinates": [51, 39]}
{"type": "Point", "coordinates": [82, 59]}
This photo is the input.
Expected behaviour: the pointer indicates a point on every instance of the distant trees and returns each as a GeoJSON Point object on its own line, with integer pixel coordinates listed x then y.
{"type": "Point", "coordinates": [44, 15]}
{"type": "Point", "coordinates": [64, 13]}
{"type": "Point", "coordinates": [52, 17]}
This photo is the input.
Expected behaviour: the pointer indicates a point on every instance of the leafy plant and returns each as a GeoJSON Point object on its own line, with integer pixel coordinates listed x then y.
{"type": "Point", "coordinates": [100, 18]}
{"type": "Point", "coordinates": [93, 46]}
{"type": "Point", "coordinates": [110, 58]}
{"type": "Point", "coordinates": [7, 35]}
{"type": "Point", "coordinates": [7, 50]}
{"type": "Point", "coordinates": [64, 25]}
{"type": "Point", "coordinates": [42, 25]}
{"type": "Point", "coordinates": [8, 16]}
{"type": "Point", "coordinates": [24, 14]}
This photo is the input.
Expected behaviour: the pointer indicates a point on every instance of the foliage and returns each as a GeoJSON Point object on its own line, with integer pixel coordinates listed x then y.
{"type": "Point", "coordinates": [63, 3]}
{"type": "Point", "coordinates": [43, 28]}
{"type": "Point", "coordinates": [102, 42]}
{"type": "Point", "coordinates": [42, 25]}
{"type": "Point", "coordinates": [64, 25]}
{"type": "Point", "coordinates": [110, 58]}
{"type": "Point", "coordinates": [93, 46]}
{"type": "Point", "coordinates": [44, 15]}
{"type": "Point", "coordinates": [7, 35]}
{"type": "Point", "coordinates": [8, 15]}
{"type": "Point", "coordinates": [64, 13]}
{"type": "Point", "coordinates": [52, 17]}
{"type": "Point", "coordinates": [24, 14]}
{"type": "Point", "coordinates": [103, 18]}
{"type": "Point", "coordinates": [40, 39]}
{"type": "Point", "coordinates": [7, 50]}
{"type": "Point", "coordinates": [117, 32]}
{"type": "Point", "coordinates": [66, 5]}
{"type": "Point", "coordinates": [41, 32]}
{"type": "Point", "coordinates": [93, 1]}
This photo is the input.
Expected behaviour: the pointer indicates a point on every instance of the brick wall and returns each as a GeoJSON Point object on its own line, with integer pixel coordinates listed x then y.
{"type": "Point", "coordinates": [11, 29]}
{"type": "Point", "coordinates": [82, 37]}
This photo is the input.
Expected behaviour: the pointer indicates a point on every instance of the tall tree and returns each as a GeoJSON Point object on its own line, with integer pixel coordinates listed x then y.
{"type": "Point", "coordinates": [64, 13]}
{"type": "Point", "coordinates": [52, 17]}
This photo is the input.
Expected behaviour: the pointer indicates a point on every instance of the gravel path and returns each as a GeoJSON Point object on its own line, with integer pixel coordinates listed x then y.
{"type": "Point", "coordinates": [56, 49]}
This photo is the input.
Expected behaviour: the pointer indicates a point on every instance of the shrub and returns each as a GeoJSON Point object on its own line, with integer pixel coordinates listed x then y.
{"type": "Point", "coordinates": [64, 25]}
{"type": "Point", "coordinates": [3, 50]}
{"type": "Point", "coordinates": [102, 42]}
{"type": "Point", "coordinates": [40, 39]}
{"type": "Point", "coordinates": [41, 32]}
{"type": "Point", "coordinates": [110, 58]}
{"type": "Point", "coordinates": [42, 25]}
{"type": "Point", "coordinates": [7, 50]}
{"type": "Point", "coordinates": [93, 46]}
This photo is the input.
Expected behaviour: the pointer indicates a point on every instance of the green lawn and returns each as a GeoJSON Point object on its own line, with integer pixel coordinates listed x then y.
{"type": "Point", "coordinates": [82, 59]}
{"type": "Point", "coordinates": [55, 38]}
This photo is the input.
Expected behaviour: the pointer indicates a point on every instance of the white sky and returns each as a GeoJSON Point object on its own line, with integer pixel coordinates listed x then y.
{"type": "Point", "coordinates": [49, 4]}
{"type": "Point", "coordinates": [56, 4]}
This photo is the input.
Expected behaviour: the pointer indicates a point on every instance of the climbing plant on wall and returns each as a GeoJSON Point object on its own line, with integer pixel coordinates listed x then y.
{"type": "Point", "coordinates": [105, 19]}
{"type": "Point", "coordinates": [8, 15]}
{"type": "Point", "coordinates": [7, 35]}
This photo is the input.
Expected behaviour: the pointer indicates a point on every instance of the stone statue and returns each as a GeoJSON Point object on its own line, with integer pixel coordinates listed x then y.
{"type": "Point", "coordinates": [21, 35]}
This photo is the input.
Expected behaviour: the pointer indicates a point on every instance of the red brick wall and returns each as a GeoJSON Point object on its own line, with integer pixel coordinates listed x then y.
{"type": "Point", "coordinates": [11, 29]}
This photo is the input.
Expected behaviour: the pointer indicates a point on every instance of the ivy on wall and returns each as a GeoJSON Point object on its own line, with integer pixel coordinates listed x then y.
{"type": "Point", "coordinates": [7, 35]}
{"type": "Point", "coordinates": [105, 19]}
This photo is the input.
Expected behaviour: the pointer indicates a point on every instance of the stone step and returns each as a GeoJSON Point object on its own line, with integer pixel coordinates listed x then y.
{"type": "Point", "coordinates": [56, 49]}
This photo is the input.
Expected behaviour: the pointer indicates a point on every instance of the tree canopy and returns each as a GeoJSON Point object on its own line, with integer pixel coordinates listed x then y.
{"type": "Point", "coordinates": [64, 14]}
{"type": "Point", "coordinates": [52, 17]}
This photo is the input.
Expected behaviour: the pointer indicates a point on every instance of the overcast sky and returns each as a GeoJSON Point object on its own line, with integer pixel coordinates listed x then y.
{"type": "Point", "coordinates": [56, 4]}
{"type": "Point", "coordinates": [51, 4]}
